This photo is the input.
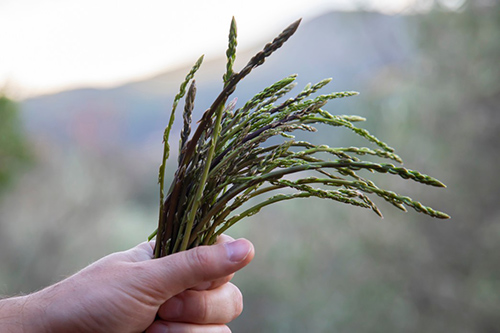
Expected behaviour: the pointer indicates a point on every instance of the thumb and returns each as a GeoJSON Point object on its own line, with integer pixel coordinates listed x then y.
{"type": "Point", "coordinates": [184, 270]}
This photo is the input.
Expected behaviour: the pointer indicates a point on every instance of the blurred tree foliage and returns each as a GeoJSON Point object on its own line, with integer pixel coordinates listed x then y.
{"type": "Point", "coordinates": [447, 103]}
{"type": "Point", "coordinates": [442, 110]}
{"type": "Point", "coordinates": [319, 267]}
{"type": "Point", "coordinates": [14, 151]}
{"type": "Point", "coordinates": [457, 98]}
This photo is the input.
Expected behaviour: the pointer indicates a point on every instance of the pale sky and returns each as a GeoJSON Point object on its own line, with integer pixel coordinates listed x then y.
{"type": "Point", "coordinates": [52, 45]}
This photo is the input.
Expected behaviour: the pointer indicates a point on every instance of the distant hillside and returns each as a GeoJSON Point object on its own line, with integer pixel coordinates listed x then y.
{"type": "Point", "coordinates": [350, 47]}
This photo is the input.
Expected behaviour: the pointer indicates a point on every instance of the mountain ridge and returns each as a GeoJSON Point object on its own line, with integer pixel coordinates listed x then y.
{"type": "Point", "coordinates": [351, 47]}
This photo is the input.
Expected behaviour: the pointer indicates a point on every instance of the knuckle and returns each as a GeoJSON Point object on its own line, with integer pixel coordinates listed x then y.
{"type": "Point", "coordinates": [198, 257]}
{"type": "Point", "coordinates": [204, 308]}
{"type": "Point", "coordinates": [237, 297]}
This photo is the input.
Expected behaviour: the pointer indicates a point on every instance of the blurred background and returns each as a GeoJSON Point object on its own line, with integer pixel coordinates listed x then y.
{"type": "Point", "coordinates": [86, 90]}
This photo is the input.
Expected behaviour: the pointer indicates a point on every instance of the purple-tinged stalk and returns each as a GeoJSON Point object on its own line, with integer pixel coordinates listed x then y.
{"type": "Point", "coordinates": [226, 163]}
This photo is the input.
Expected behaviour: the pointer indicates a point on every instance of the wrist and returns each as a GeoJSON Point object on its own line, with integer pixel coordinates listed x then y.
{"type": "Point", "coordinates": [51, 310]}
{"type": "Point", "coordinates": [21, 314]}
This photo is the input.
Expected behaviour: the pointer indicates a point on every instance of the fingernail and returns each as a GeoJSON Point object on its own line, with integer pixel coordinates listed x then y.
{"type": "Point", "coordinates": [237, 250]}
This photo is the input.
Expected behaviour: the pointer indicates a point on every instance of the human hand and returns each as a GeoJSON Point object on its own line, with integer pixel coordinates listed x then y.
{"type": "Point", "coordinates": [125, 291]}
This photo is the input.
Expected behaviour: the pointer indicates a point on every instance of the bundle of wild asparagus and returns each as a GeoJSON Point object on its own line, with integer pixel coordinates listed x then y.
{"type": "Point", "coordinates": [226, 162]}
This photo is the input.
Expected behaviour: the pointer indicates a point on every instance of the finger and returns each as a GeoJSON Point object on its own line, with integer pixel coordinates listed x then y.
{"type": "Point", "coordinates": [210, 285]}
{"type": "Point", "coordinates": [141, 252]}
{"type": "Point", "coordinates": [145, 250]}
{"type": "Point", "coordinates": [167, 327]}
{"type": "Point", "coordinates": [170, 275]}
{"type": "Point", "coordinates": [217, 306]}
{"type": "Point", "coordinates": [219, 282]}
{"type": "Point", "coordinates": [224, 239]}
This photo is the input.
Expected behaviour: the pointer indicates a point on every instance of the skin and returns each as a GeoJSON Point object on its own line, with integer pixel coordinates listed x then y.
{"type": "Point", "coordinates": [128, 292]}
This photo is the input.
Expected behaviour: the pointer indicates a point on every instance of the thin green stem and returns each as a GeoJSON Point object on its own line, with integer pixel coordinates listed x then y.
{"type": "Point", "coordinates": [199, 191]}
